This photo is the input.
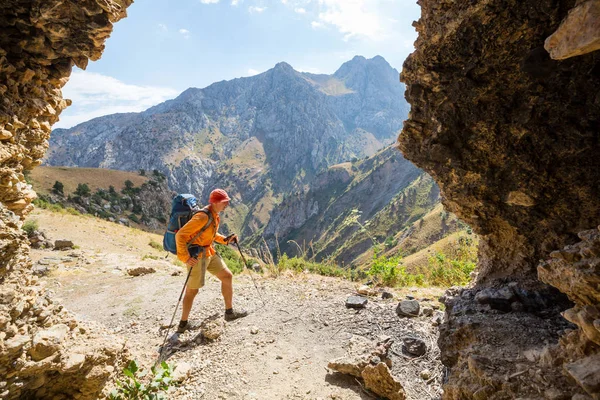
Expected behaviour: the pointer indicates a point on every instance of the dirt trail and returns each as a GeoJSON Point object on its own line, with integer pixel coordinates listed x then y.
{"type": "Point", "coordinates": [280, 351]}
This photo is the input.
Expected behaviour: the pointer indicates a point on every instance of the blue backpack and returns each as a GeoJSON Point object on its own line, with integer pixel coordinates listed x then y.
{"type": "Point", "coordinates": [183, 208]}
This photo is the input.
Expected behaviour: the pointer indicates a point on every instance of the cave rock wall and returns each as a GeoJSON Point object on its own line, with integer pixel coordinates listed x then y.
{"type": "Point", "coordinates": [44, 351]}
{"type": "Point", "coordinates": [512, 138]}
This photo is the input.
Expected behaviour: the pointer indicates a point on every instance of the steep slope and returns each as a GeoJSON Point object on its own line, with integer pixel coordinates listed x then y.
{"type": "Point", "coordinates": [352, 206]}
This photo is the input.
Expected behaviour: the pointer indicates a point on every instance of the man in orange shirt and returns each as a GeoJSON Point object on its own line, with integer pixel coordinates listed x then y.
{"type": "Point", "coordinates": [209, 259]}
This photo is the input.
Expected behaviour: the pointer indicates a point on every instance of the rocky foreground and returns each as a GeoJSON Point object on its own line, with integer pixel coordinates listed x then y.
{"type": "Point", "coordinates": [289, 347]}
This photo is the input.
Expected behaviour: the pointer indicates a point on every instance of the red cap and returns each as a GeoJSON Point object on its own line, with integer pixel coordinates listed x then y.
{"type": "Point", "coordinates": [218, 196]}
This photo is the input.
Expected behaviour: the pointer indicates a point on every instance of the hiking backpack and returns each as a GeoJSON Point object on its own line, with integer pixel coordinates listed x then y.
{"type": "Point", "coordinates": [183, 208]}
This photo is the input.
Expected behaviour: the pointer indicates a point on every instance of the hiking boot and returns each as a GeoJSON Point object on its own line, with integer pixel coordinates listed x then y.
{"type": "Point", "coordinates": [231, 314]}
{"type": "Point", "coordinates": [187, 326]}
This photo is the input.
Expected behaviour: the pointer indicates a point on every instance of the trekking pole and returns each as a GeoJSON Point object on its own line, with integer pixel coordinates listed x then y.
{"type": "Point", "coordinates": [162, 348]}
{"type": "Point", "coordinates": [251, 276]}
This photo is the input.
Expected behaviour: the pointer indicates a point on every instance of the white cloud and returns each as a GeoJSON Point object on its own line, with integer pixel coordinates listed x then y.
{"type": "Point", "coordinates": [252, 72]}
{"type": "Point", "coordinates": [255, 9]}
{"type": "Point", "coordinates": [163, 27]}
{"type": "Point", "coordinates": [209, 1]}
{"type": "Point", "coordinates": [284, 1]}
{"type": "Point", "coordinates": [185, 33]}
{"type": "Point", "coordinates": [355, 18]}
{"type": "Point", "coordinates": [235, 2]}
{"type": "Point", "coordinates": [300, 10]}
{"type": "Point", "coordinates": [95, 95]}
{"type": "Point", "coordinates": [316, 25]}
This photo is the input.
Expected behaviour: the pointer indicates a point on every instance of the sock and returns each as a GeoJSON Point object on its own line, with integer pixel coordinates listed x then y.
{"type": "Point", "coordinates": [229, 311]}
{"type": "Point", "coordinates": [182, 323]}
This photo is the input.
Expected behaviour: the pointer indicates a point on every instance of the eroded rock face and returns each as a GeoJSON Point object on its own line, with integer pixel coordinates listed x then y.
{"type": "Point", "coordinates": [511, 137]}
{"type": "Point", "coordinates": [44, 351]}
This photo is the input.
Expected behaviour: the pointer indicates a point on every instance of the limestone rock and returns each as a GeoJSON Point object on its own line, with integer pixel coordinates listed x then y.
{"type": "Point", "coordinates": [379, 380]}
{"type": "Point", "coordinates": [578, 33]}
{"type": "Point", "coordinates": [48, 341]}
{"type": "Point", "coordinates": [212, 328]}
{"type": "Point", "coordinates": [39, 44]}
{"type": "Point", "coordinates": [360, 353]}
{"type": "Point", "coordinates": [182, 371]}
{"type": "Point", "coordinates": [587, 373]}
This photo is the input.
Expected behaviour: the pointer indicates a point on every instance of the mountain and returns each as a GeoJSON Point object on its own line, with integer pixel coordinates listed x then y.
{"type": "Point", "coordinates": [298, 123]}
{"type": "Point", "coordinates": [301, 154]}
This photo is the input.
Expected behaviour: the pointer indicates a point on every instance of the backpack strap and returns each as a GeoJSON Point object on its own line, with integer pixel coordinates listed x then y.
{"type": "Point", "coordinates": [205, 227]}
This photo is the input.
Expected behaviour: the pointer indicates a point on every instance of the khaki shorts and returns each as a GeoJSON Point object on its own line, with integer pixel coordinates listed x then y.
{"type": "Point", "coordinates": [214, 265]}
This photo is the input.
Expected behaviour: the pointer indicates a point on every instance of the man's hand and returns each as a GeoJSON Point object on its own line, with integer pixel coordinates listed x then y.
{"type": "Point", "coordinates": [192, 262]}
{"type": "Point", "coordinates": [231, 238]}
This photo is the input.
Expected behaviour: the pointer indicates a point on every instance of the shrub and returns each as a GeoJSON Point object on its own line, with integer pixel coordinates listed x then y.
{"type": "Point", "coordinates": [385, 270]}
{"type": "Point", "coordinates": [30, 225]}
{"type": "Point", "coordinates": [231, 258]}
{"type": "Point", "coordinates": [135, 219]}
{"type": "Point", "coordinates": [58, 188]}
{"type": "Point", "coordinates": [444, 271]}
{"type": "Point", "coordinates": [83, 190]}
{"type": "Point", "coordinates": [133, 386]}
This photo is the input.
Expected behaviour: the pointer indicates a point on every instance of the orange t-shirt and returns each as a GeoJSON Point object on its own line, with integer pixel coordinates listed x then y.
{"type": "Point", "coordinates": [191, 229]}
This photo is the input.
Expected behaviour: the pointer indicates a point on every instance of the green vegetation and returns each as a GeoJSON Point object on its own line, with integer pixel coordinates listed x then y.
{"type": "Point", "coordinates": [58, 188]}
{"type": "Point", "coordinates": [83, 190]}
{"type": "Point", "coordinates": [232, 259]}
{"type": "Point", "coordinates": [139, 385]}
{"type": "Point", "coordinates": [443, 270]}
{"type": "Point", "coordinates": [42, 202]}
{"type": "Point", "coordinates": [298, 264]}
{"type": "Point", "coordinates": [30, 225]}
{"type": "Point", "coordinates": [72, 211]}
{"type": "Point", "coordinates": [155, 245]}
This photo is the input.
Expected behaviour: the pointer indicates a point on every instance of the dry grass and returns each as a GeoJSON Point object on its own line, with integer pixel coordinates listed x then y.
{"type": "Point", "coordinates": [43, 178]}
{"type": "Point", "coordinates": [447, 245]}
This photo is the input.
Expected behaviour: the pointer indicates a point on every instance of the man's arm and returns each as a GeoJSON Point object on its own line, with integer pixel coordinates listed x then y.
{"type": "Point", "coordinates": [220, 239]}
{"type": "Point", "coordinates": [187, 232]}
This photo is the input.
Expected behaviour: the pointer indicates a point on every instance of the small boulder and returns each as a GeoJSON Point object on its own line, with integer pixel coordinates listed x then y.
{"type": "Point", "coordinates": [438, 318]}
{"type": "Point", "coordinates": [414, 346]}
{"type": "Point", "coordinates": [141, 270]}
{"type": "Point", "coordinates": [425, 374]}
{"type": "Point", "coordinates": [63, 244]}
{"type": "Point", "coordinates": [254, 330]}
{"type": "Point", "coordinates": [356, 302]}
{"type": "Point", "coordinates": [427, 311]}
{"type": "Point", "coordinates": [586, 373]}
{"type": "Point", "coordinates": [182, 371]}
{"type": "Point", "coordinates": [408, 308]}
{"type": "Point", "coordinates": [387, 295]}
{"type": "Point", "coordinates": [367, 291]}
{"type": "Point", "coordinates": [212, 328]}
{"type": "Point", "coordinates": [379, 380]}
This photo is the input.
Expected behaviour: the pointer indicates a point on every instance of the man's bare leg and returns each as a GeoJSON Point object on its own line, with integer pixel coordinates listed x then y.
{"type": "Point", "coordinates": [188, 300]}
{"type": "Point", "coordinates": [226, 278]}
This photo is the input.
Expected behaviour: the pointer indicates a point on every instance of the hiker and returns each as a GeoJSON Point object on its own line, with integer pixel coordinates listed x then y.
{"type": "Point", "coordinates": [202, 257]}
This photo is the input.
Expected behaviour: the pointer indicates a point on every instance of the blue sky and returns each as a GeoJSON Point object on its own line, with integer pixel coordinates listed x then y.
{"type": "Point", "coordinates": [164, 47]}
